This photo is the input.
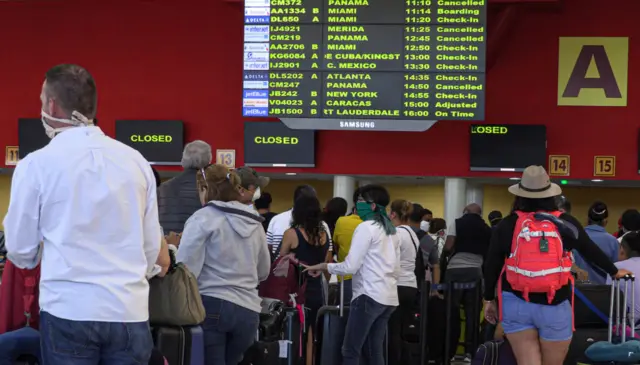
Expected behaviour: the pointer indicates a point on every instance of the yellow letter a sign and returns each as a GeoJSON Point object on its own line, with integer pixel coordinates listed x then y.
{"type": "Point", "coordinates": [592, 71]}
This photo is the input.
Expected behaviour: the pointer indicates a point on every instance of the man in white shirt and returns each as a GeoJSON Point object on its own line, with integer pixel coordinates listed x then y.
{"type": "Point", "coordinates": [91, 201]}
{"type": "Point", "coordinates": [281, 222]}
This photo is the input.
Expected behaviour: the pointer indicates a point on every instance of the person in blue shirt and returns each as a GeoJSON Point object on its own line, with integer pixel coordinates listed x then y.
{"type": "Point", "coordinates": [598, 215]}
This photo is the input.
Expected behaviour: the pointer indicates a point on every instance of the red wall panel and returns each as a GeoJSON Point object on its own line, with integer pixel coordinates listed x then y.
{"type": "Point", "coordinates": [182, 60]}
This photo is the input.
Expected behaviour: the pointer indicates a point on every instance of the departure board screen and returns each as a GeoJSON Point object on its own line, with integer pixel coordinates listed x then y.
{"type": "Point", "coordinates": [511, 147]}
{"type": "Point", "coordinates": [364, 64]}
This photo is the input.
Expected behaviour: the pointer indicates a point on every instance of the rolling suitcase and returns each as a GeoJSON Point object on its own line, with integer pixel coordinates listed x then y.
{"type": "Point", "coordinates": [180, 345]}
{"type": "Point", "coordinates": [414, 342]}
{"type": "Point", "coordinates": [294, 338]}
{"type": "Point", "coordinates": [619, 348]}
{"type": "Point", "coordinates": [591, 304]}
{"type": "Point", "coordinates": [330, 330]}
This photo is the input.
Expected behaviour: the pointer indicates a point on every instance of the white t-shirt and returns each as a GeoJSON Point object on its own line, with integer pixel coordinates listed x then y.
{"type": "Point", "coordinates": [374, 262]}
{"type": "Point", "coordinates": [408, 251]}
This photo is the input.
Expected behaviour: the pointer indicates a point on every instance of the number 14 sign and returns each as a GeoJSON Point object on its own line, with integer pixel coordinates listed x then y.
{"type": "Point", "coordinates": [559, 165]}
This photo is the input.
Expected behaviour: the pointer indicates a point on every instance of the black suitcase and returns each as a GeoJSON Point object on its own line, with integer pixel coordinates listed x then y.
{"type": "Point", "coordinates": [174, 343]}
{"type": "Point", "coordinates": [330, 329]}
{"type": "Point", "coordinates": [436, 328]}
{"type": "Point", "coordinates": [599, 297]}
{"type": "Point", "coordinates": [583, 338]}
{"type": "Point", "coordinates": [414, 330]}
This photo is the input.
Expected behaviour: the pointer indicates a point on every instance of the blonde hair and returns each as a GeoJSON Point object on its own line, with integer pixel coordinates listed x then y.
{"type": "Point", "coordinates": [402, 208]}
{"type": "Point", "coordinates": [221, 183]}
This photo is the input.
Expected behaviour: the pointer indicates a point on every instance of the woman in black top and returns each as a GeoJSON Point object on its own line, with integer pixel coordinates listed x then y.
{"type": "Point", "coordinates": [538, 331]}
{"type": "Point", "coordinates": [309, 241]}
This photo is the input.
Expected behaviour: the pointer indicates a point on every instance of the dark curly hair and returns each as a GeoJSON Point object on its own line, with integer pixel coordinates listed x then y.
{"type": "Point", "coordinates": [307, 214]}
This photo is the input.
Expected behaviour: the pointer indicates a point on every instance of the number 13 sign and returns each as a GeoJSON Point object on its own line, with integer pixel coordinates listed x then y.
{"type": "Point", "coordinates": [226, 158]}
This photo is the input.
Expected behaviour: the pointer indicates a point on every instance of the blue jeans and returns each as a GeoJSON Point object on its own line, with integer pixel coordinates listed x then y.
{"type": "Point", "coordinates": [229, 331]}
{"type": "Point", "coordinates": [553, 322]}
{"type": "Point", "coordinates": [348, 291]}
{"type": "Point", "coordinates": [66, 342]}
{"type": "Point", "coordinates": [366, 330]}
{"type": "Point", "coordinates": [14, 344]}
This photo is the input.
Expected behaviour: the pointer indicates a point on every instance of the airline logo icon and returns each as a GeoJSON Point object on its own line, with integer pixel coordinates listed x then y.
{"type": "Point", "coordinates": [256, 33]}
{"type": "Point", "coordinates": [255, 112]}
{"type": "Point", "coordinates": [255, 103]}
{"type": "Point", "coordinates": [257, 15]}
{"type": "Point", "coordinates": [256, 65]}
{"type": "Point", "coordinates": [255, 94]}
{"type": "Point", "coordinates": [255, 84]}
{"type": "Point", "coordinates": [256, 56]}
{"type": "Point", "coordinates": [256, 47]}
{"type": "Point", "coordinates": [256, 3]}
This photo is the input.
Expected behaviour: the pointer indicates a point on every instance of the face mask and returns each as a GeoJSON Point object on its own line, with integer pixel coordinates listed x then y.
{"type": "Point", "coordinates": [256, 194]}
{"type": "Point", "coordinates": [424, 225]}
{"type": "Point", "coordinates": [76, 120]}
{"type": "Point", "coordinates": [363, 209]}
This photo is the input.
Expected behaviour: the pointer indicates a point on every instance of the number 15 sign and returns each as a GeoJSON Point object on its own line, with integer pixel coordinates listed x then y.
{"type": "Point", "coordinates": [604, 166]}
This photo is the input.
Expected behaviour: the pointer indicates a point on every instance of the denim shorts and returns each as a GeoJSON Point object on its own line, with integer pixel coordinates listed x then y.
{"type": "Point", "coordinates": [553, 322]}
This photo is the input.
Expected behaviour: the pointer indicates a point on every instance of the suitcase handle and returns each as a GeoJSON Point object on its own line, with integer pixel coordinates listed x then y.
{"type": "Point", "coordinates": [620, 322]}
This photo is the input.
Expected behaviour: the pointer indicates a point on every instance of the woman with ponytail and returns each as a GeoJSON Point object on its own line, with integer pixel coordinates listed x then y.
{"type": "Point", "coordinates": [411, 276]}
{"type": "Point", "coordinates": [374, 262]}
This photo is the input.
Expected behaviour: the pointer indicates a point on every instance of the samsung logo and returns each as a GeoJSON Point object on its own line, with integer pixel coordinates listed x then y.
{"type": "Point", "coordinates": [357, 124]}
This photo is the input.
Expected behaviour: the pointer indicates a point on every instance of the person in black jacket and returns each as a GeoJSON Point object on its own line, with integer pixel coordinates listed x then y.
{"type": "Point", "coordinates": [539, 329]}
{"type": "Point", "coordinates": [178, 198]}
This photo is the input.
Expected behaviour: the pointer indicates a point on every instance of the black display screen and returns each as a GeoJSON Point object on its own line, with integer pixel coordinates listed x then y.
{"type": "Point", "coordinates": [364, 64]}
{"type": "Point", "coordinates": [159, 141]}
{"type": "Point", "coordinates": [507, 147]}
{"type": "Point", "coordinates": [31, 136]}
{"type": "Point", "coordinates": [273, 144]}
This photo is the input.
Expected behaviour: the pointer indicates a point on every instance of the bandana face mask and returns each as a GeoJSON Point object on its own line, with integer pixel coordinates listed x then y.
{"type": "Point", "coordinates": [77, 119]}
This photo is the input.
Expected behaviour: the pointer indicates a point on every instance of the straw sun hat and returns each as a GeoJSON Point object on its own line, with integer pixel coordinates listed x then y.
{"type": "Point", "coordinates": [535, 184]}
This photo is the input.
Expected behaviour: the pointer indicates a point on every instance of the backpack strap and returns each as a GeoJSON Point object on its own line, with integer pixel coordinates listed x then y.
{"type": "Point", "coordinates": [416, 246]}
{"type": "Point", "coordinates": [29, 295]}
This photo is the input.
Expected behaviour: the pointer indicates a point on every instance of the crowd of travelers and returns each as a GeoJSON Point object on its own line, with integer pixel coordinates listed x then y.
{"type": "Point", "coordinates": [90, 224]}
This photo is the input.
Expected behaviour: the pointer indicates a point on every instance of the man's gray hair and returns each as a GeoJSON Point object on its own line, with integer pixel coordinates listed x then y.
{"type": "Point", "coordinates": [196, 155]}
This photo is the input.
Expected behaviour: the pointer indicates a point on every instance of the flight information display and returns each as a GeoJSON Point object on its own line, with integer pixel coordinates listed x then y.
{"type": "Point", "coordinates": [364, 64]}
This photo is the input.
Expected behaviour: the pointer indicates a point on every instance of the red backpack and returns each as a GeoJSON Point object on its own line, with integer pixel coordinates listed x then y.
{"type": "Point", "coordinates": [286, 282]}
{"type": "Point", "coordinates": [538, 262]}
{"type": "Point", "coordinates": [19, 294]}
